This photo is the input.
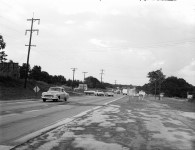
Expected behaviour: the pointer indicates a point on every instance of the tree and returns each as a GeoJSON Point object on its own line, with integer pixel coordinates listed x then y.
{"type": "Point", "coordinates": [156, 78]}
{"type": "Point", "coordinates": [2, 46]}
{"type": "Point", "coordinates": [92, 82]}
{"type": "Point", "coordinates": [23, 70]}
{"type": "Point", "coordinates": [176, 87]}
{"type": "Point", "coordinates": [36, 73]}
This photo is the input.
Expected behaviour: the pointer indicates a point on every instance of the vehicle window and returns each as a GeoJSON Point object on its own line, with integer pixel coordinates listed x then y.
{"type": "Point", "coordinates": [55, 89]}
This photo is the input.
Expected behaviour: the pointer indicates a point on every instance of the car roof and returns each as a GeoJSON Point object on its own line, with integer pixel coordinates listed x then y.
{"type": "Point", "coordinates": [57, 87]}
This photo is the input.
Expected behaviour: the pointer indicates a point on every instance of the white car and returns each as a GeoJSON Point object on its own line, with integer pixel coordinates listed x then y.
{"type": "Point", "coordinates": [109, 93]}
{"type": "Point", "coordinates": [89, 92]}
{"type": "Point", "coordinates": [99, 93]}
{"type": "Point", "coordinates": [55, 94]}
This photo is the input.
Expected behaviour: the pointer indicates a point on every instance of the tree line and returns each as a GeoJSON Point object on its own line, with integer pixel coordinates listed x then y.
{"type": "Point", "coordinates": [170, 86]}
{"type": "Point", "coordinates": [37, 74]}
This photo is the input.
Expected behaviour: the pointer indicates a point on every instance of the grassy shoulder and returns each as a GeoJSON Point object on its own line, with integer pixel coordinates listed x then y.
{"type": "Point", "coordinates": [177, 104]}
{"type": "Point", "coordinates": [11, 89]}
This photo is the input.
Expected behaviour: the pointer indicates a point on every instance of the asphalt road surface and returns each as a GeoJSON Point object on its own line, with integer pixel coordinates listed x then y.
{"type": "Point", "coordinates": [22, 117]}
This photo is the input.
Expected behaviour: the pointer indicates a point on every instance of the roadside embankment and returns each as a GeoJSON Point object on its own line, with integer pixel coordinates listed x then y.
{"type": "Point", "coordinates": [11, 89]}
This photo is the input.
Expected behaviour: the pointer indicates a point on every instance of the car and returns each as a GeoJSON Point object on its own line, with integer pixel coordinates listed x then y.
{"type": "Point", "coordinates": [55, 94]}
{"type": "Point", "coordinates": [89, 92]}
{"type": "Point", "coordinates": [99, 93]}
{"type": "Point", "coordinates": [109, 93]}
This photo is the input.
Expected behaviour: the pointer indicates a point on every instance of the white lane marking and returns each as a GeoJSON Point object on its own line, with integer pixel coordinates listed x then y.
{"type": "Point", "coordinates": [31, 111]}
{"type": "Point", "coordinates": [8, 115]}
{"type": "Point", "coordinates": [114, 100]}
{"type": "Point", "coordinates": [5, 147]}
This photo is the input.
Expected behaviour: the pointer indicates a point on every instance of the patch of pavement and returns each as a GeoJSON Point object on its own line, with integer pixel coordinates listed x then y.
{"type": "Point", "coordinates": [122, 125]}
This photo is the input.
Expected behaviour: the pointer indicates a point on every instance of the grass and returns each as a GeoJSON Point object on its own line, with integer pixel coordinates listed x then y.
{"type": "Point", "coordinates": [177, 104]}
{"type": "Point", "coordinates": [11, 89]}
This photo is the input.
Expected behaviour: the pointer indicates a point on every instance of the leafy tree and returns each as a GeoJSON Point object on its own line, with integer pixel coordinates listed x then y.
{"type": "Point", "coordinates": [69, 82]}
{"type": "Point", "coordinates": [92, 82]}
{"type": "Point", "coordinates": [23, 70]}
{"type": "Point", "coordinates": [176, 87]}
{"type": "Point", "coordinates": [36, 73]}
{"type": "Point", "coordinates": [2, 46]}
{"type": "Point", "coordinates": [156, 78]}
{"type": "Point", "coordinates": [45, 77]}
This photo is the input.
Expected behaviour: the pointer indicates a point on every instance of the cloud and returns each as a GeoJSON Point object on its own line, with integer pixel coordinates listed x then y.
{"type": "Point", "coordinates": [70, 22]}
{"type": "Point", "coordinates": [98, 42]}
{"type": "Point", "coordinates": [188, 72]}
{"type": "Point", "coordinates": [157, 64]}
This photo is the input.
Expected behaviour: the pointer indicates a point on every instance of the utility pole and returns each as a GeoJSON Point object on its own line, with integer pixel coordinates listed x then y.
{"type": "Point", "coordinates": [84, 79]}
{"type": "Point", "coordinates": [84, 76]}
{"type": "Point", "coordinates": [29, 45]}
{"type": "Point", "coordinates": [155, 89]}
{"type": "Point", "coordinates": [115, 82]}
{"type": "Point", "coordinates": [102, 72]}
{"type": "Point", "coordinates": [73, 69]}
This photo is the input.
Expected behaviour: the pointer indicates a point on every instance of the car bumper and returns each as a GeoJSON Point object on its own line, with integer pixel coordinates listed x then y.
{"type": "Point", "coordinates": [49, 97]}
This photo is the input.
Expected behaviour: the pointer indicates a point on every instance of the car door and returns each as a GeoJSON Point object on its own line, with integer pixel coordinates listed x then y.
{"type": "Point", "coordinates": [63, 94]}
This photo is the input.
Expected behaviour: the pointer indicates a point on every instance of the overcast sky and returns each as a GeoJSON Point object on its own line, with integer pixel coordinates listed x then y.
{"type": "Point", "coordinates": [126, 38]}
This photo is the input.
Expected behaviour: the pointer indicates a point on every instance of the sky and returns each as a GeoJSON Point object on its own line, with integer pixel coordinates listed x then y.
{"type": "Point", "coordinates": [125, 38]}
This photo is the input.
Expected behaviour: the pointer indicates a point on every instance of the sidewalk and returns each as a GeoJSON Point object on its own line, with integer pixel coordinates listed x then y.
{"type": "Point", "coordinates": [122, 125]}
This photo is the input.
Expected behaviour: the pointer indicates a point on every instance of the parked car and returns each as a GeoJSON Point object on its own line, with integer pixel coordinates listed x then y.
{"type": "Point", "coordinates": [55, 94]}
{"type": "Point", "coordinates": [89, 92]}
{"type": "Point", "coordinates": [99, 93]}
{"type": "Point", "coordinates": [109, 93]}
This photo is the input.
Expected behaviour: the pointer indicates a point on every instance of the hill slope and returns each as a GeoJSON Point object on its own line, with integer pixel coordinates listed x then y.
{"type": "Point", "coordinates": [11, 89]}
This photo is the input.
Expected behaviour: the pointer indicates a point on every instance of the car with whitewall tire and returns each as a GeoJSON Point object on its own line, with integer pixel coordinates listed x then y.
{"type": "Point", "coordinates": [55, 94]}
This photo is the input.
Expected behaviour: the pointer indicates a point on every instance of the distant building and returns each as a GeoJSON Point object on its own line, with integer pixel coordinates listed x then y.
{"type": "Point", "coordinates": [81, 87]}
{"type": "Point", "coordinates": [10, 69]}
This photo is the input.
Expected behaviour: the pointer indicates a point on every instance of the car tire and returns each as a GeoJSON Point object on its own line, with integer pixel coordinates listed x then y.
{"type": "Point", "coordinates": [44, 100]}
{"type": "Point", "coordinates": [58, 98]}
{"type": "Point", "coordinates": [65, 99]}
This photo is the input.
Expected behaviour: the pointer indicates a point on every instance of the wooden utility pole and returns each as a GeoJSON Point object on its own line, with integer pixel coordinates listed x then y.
{"type": "Point", "coordinates": [102, 72]}
{"type": "Point", "coordinates": [84, 77]}
{"type": "Point", "coordinates": [29, 45]}
{"type": "Point", "coordinates": [73, 69]}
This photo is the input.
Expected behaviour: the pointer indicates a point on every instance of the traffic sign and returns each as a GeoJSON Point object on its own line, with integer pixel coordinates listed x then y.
{"type": "Point", "coordinates": [36, 89]}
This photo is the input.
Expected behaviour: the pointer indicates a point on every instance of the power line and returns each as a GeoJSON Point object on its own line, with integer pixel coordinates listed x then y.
{"type": "Point", "coordinates": [29, 45]}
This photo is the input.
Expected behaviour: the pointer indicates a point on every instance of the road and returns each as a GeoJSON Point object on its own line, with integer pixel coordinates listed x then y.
{"type": "Point", "coordinates": [22, 117]}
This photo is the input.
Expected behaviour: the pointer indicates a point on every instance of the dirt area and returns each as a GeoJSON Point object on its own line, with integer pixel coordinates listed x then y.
{"type": "Point", "coordinates": [126, 124]}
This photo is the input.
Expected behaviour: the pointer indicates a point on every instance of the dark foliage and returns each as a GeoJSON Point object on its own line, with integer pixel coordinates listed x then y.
{"type": "Point", "coordinates": [2, 53]}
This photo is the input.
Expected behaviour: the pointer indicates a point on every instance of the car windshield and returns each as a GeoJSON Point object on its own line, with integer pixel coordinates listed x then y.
{"type": "Point", "coordinates": [55, 89]}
